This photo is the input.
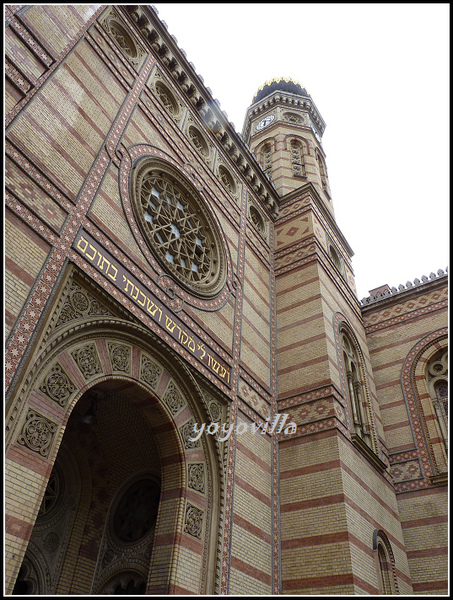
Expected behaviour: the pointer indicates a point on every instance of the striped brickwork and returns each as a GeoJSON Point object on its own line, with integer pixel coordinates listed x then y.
{"type": "Point", "coordinates": [25, 254]}
{"type": "Point", "coordinates": [64, 171]}
{"type": "Point", "coordinates": [402, 333]}
{"type": "Point", "coordinates": [252, 513]}
{"type": "Point", "coordinates": [158, 415]}
{"type": "Point", "coordinates": [293, 512]}
{"type": "Point", "coordinates": [332, 498]}
{"type": "Point", "coordinates": [256, 321]}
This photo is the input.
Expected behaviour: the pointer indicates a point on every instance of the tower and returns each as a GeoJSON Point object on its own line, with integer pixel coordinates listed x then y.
{"type": "Point", "coordinates": [284, 128]}
{"type": "Point", "coordinates": [324, 375]}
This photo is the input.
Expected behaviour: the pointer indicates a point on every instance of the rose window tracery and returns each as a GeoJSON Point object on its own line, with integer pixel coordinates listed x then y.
{"type": "Point", "coordinates": [179, 229]}
{"type": "Point", "coordinates": [136, 513]}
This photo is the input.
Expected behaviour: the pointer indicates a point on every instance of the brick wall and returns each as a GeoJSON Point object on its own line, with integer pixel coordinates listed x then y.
{"type": "Point", "coordinates": [403, 331]}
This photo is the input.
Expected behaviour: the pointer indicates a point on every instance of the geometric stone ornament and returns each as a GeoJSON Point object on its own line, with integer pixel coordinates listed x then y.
{"type": "Point", "coordinates": [196, 477]}
{"type": "Point", "coordinates": [149, 371]}
{"type": "Point", "coordinates": [173, 398]}
{"type": "Point", "coordinates": [193, 524]}
{"type": "Point", "coordinates": [57, 385]}
{"type": "Point", "coordinates": [87, 360]}
{"type": "Point", "coordinates": [120, 357]}
{"type": "Point", "coordinates": [80, 304]}
{"type": "Point", "coordinates": [37, 433]}
{"type": "Point", "coordinates": [186, 432]}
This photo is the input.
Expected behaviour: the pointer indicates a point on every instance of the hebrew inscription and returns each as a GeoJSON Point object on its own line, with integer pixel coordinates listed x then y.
{"type": "Point", "coordinates": [145, 299]}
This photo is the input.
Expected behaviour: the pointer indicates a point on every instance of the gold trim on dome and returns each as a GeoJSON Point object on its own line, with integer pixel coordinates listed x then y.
{"type": "Point", "coordinates": [276, 80]}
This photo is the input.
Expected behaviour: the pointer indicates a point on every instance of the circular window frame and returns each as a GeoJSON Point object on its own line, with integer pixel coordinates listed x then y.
{"type": "Point", "coordinates": [120, 498]}
{"type": "Point", "coordinates": [160, 89]}
{"type": "Point", "coordinates": [57, 475]}
{"type": "Point", "coordinates": [207, 287]}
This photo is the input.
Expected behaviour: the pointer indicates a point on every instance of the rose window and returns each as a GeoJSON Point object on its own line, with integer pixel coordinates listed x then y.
{"type": "Point", "coordinates": [179, 229]}
{"type": "Point", "coordinates": [136, 513]}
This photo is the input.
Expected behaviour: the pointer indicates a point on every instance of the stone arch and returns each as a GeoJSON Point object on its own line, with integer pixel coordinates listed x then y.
{"type": "Point", "coordinates": [304, 143]}
{"type": "Point", "coordinates": [341, 325]}
{"type": "Point", "coordinates": [170, 400]}
{"type": "Point", "coordinates": [385, 563]}
{"type": "Point", "coordinates": [430, 449]}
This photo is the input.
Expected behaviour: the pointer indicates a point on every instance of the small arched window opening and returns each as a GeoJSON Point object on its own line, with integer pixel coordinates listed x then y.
{"type": "Point", "coordinates": [356, 389]}
{"type": "Point", "coordinates": [266, 159]}
{"type": "Point", "coordinates": [297, 159]}
{"type": "Point", "coordinates": [385, 563]}
{"type": "Point", "coordinates": [322, 168]}
{"type": "Point", "coordinates": [437, 379]}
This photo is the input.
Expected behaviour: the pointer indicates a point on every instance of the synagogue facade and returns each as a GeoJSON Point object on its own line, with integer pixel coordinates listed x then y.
{"type": "Point", "coordinates": [196, 400]}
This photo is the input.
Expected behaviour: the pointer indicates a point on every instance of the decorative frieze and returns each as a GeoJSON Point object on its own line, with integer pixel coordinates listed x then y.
{"type": "Point", "coordinates": [387, 292]}
{"type": "Point", "coordinates": [208, 109]}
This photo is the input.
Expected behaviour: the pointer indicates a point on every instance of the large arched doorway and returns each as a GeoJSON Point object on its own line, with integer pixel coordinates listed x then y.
{"type": "Point", "coordinates": [125, 503]}
{"type": "Point", "coordinates": [95, 528]}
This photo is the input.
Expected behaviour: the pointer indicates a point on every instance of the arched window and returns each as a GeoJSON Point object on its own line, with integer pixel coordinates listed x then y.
{"type": "Point", "coordinates": [297, 159]}
{"type": "Point", "coordinates": [266, 154]}
{"type": "Point", "coordinates": [437, 379]}
{"type": "Point", "coordinates": [385, 563]}
{"type": "Point", "coordinates": [356, 388]}
{"type": "Point", "coordinates": [128, 538]}
{"type": "Point", "coordinates": [322, 168]}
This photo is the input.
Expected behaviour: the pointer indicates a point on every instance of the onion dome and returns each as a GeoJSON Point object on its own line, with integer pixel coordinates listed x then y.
{"type": "Point", "coordinates": [281, 84]}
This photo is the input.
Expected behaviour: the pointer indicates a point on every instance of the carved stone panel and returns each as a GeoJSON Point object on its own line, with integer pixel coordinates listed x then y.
{"type": "Point", "coordinates": [120, 357]}
{"type": "Point", "coordinates": [37, 433]}
{"type": "Point", "coordinates": [87, 360]}
{"type": "Point", "coordinates": [193, 524]}
{"type": "Point", "coordinates": [57, 385]}
{"type": "Point", "coordinates": [150, 372]}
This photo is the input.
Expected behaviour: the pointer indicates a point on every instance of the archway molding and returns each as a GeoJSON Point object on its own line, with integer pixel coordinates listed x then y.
{"type": "Point", "coordinates": [430, 452]}
{"type": "Point", "coordinates": [80, 352]}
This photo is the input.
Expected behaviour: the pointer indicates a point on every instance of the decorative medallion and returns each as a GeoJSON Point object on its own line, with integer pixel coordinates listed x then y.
{"type": "Point", "coordinates": [118, 32]}
{"type": "Point", "coordinates": [37, 433]}
{"type": "Point", "coordinates": [178, 227]}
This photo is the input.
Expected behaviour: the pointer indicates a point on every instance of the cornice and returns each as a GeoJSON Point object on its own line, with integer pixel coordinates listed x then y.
{"type": "Point", "coordinates": [286, 99]}
{"type": "Point", "coordinates": [155, 36]}
{"type": "Point", "coordinates": [391, 296]}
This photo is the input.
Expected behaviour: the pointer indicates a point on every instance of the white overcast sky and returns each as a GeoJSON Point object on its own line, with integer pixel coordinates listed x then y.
{"type": "Point", "coordinates": [379, 75]}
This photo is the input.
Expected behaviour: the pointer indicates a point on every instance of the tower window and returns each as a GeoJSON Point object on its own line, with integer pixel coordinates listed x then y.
{"type": "Point", "coordinates": [297, 160]}
{"type": "Point", "coordinates": [267, 159]}
{"type": "Point", "coordinates": [356, 389]}
{"type": "Point", "coordinates": [322, 168]}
